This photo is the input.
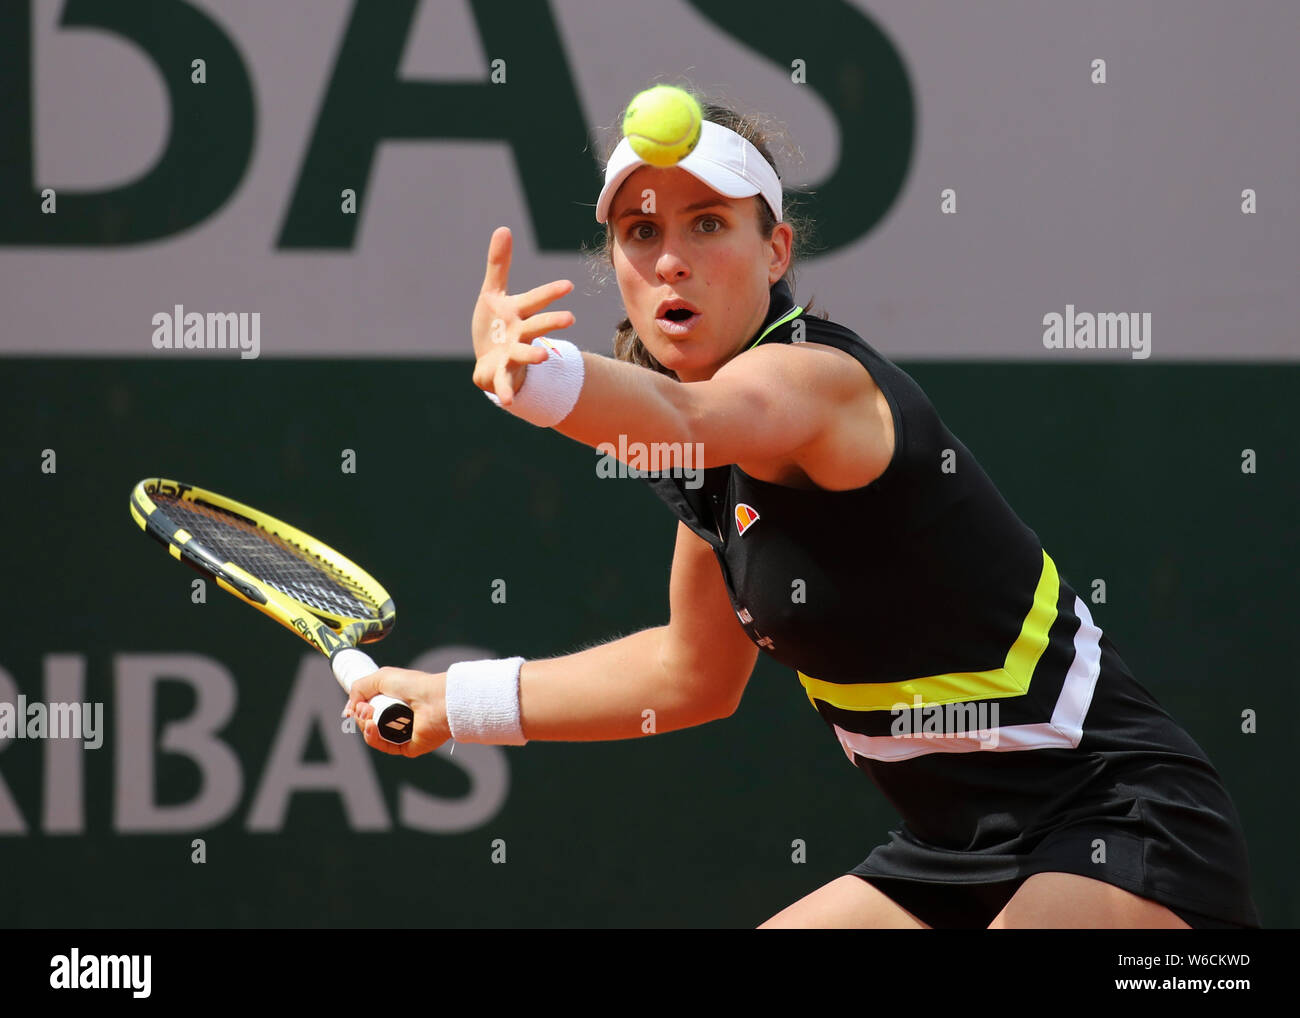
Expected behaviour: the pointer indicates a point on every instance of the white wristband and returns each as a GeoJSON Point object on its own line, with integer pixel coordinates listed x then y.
{"type": "Point", "coordinates": [550, 389]}
{"type": "Point", "coordinates": [483, 702]}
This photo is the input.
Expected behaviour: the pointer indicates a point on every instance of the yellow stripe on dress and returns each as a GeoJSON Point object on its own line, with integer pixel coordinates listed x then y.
{"type": "Point", "coordinates": [1012, 679]}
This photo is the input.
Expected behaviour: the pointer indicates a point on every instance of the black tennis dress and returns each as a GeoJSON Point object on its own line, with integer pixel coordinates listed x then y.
{"type": "Point", "coordinates": [963, 674]}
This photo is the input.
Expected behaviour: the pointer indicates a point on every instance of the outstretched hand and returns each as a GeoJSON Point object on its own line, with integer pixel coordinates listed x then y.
{"type": "Point", "coordinates": [504, 325]}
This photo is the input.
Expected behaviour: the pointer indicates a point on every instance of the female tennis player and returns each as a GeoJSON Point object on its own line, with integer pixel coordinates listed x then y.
{"type": "Point", "coordinates": [841, 528]}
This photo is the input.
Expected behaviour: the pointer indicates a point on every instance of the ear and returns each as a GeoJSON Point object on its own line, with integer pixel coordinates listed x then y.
{"type": "Point", "coordinates": [779, 247]}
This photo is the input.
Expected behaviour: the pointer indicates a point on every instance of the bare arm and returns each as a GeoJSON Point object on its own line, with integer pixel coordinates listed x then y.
{"type": "Point", "coordinates": [602, 693]}
{"type": "Point", "coordinates": [766, 404]}
{"type": "Point", "coordinates": [688, 673]}
{"type": "Point", "coordinates": [772, 403]}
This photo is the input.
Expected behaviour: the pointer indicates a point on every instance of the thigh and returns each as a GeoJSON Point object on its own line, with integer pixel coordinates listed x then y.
{"type": "Point", "coordinates": [848, 902]}
{"type": "Point", "coordinates": [1070, 901]}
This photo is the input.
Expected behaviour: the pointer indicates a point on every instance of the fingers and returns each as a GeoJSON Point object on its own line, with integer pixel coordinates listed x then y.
{"type": "Point", "coordinates": [497, 276]}
{"type": "Point", "coordinates": [540, 325]}
{"type": "Point", "coordinates": [522, 318]}
{"type": "Point", "coordinates": [502, 383]}
{"type": "Point", "coordinates": [539, 296]}
{"type": "Point", "coordinates": [482, 376]}
{"type": "Point", "coordinates": [362, 689]}
{"type": "Point", "coordinates": [512, 369]}
{"type": "Point", "coordinates": [412, 748]}
{"type": "Point", "coordinates": [370, 732]}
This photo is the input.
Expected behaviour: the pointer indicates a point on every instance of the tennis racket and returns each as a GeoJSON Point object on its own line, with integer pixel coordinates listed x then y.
{"type": "Point", "coordinates": [304, 585]}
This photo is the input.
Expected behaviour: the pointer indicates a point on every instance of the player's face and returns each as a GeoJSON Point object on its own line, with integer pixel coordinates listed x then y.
{"type": "Point", "coordinates": [697, 249]}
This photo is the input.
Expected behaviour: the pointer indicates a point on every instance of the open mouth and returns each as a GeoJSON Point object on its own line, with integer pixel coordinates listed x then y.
{"type": "Point", "coordinates": [677, 318]}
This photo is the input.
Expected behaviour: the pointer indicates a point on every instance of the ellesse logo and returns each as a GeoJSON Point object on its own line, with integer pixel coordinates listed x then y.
{"type": "Point", "coordinates": [746, 517]}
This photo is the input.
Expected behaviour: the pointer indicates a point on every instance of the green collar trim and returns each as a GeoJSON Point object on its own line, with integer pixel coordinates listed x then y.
{"type": "Point", "coordinates": [788, 316]}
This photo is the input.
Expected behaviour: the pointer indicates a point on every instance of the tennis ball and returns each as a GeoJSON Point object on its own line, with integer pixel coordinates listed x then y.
{"type": "Point", "coordinates": [662, 124]}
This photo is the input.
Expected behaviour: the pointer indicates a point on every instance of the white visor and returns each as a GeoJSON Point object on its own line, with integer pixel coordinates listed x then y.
{"type": "Point", "coordinates": [723, 160]}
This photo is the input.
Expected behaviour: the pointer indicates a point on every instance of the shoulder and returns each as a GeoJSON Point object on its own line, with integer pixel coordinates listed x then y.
{"type": "Point", "coordinates": [829, 370]}
{"type": "Point", "coordinates": [854, 440]}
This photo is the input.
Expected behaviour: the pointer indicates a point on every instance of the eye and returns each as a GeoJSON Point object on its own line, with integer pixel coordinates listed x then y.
{"type": "Point", "coordinates": [635, 233]}
{"type": "Point", "coordinates": [706, 222]}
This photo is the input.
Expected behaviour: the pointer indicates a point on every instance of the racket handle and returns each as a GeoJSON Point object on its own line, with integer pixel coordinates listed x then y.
{"type": "Point", "coordinates": [394, 717]}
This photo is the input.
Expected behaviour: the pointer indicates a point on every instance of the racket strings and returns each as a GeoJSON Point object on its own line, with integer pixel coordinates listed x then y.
{"type": "Point", "coordinates": [275, 561]}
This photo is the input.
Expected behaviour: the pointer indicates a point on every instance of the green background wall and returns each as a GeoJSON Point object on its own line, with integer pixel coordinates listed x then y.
{"type": "Point", "coordinates": [1130, 473]}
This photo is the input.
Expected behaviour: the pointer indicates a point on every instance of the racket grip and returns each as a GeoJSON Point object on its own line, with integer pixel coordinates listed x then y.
{"type": "Point", "coordinates": [395, 718]}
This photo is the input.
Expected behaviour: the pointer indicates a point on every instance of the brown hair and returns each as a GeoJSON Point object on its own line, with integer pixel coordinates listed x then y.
{"type": "Point", "coordinates": [761, 134]}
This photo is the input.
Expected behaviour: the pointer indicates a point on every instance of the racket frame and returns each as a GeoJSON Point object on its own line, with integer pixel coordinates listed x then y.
{"type": "Point", "coordinates": [325, 631]}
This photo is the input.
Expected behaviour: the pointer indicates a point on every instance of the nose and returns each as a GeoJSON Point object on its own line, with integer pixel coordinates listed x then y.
{"type": "Point", "coordinates": [671, 264]}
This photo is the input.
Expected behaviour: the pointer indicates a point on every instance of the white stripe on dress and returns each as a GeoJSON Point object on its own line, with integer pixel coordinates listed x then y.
{"type": "Point", "coordinates": [1063, 732]}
